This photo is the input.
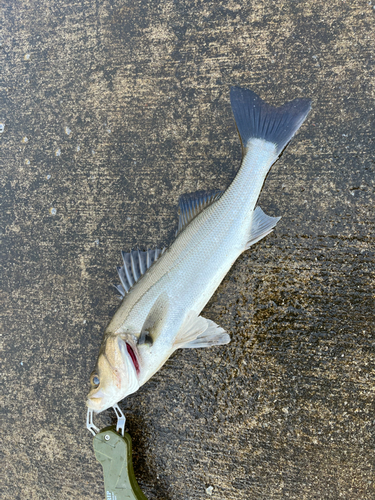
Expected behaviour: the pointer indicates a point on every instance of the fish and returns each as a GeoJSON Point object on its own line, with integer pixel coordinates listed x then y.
{"type": "Point", "coordinates": [165, 290]}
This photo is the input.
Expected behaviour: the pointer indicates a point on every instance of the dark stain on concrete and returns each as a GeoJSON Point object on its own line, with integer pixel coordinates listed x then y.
{"type": "Point", "coordinates": [113, 109]}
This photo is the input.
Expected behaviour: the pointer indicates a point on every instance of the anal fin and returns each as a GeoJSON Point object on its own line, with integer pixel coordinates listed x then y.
{"type": "Point", "coordinates": [261, 225]}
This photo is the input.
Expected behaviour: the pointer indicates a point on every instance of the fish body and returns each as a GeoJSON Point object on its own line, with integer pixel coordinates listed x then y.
{"type": "Point", "coordinates": [164, 294]}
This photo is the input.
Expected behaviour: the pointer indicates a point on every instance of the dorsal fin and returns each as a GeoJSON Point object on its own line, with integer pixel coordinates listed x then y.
{"type": "Point", "coordinates": [192, 204]}
{"type": "Point", "coordinates": [135, 265]}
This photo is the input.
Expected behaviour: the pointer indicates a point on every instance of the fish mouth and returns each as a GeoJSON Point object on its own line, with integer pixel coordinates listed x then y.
{"type": "Point", "coordinates": [133, 357]}
{"type": "Point", "coordinates": [94, 399]}
{"type": "Point", "coordinates": [95, 404]}
{"type": "Point", "coordinates": [100, 401]}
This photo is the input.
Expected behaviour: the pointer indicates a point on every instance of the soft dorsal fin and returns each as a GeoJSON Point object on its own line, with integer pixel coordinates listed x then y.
{"type": "Point", "coordinates": [192, 204]}
{"type": "Point", "coordinates": [198, 331]}
{"type": "Point", "coordinates": [135, 265]}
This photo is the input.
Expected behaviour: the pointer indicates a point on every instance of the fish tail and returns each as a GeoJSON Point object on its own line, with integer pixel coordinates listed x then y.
{"type": "Point", "coordinates": [264, 131]}
{"type": "Point", "coordinates": [255, 119]}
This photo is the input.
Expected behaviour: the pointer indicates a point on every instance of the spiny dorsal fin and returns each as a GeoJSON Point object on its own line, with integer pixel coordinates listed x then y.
{"type": "Point", "coordinates": [192, 204]}
{"type": "Point", "coordinates": [135, 265]}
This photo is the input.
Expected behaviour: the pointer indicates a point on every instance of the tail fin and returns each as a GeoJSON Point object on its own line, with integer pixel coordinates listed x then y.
{"type": "Point", "coordinates": [255, 119]}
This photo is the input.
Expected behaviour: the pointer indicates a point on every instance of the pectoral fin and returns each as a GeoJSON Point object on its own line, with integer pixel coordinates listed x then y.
{"type": "Point", "coordinates": [200, 332]}
{"type": "Point", "coordinates": [154, 321]}
{"type": "Point", "coordinates": [145, 338]}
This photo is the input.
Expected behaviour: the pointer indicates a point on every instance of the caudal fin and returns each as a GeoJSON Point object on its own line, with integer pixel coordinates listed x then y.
{"type": "Point", "coordinates": [255, 119]}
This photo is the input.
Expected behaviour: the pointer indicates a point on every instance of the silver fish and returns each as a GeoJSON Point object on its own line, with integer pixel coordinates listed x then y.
{"type": "Point", "coordinates": [165, 291]}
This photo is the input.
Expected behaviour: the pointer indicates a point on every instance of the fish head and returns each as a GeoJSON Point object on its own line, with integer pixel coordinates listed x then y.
{"type": "Point", "coordinates": [115, 375]}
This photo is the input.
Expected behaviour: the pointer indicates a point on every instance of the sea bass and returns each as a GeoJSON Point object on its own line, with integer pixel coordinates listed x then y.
{"type": "Point", "coordinates": [165, 291]}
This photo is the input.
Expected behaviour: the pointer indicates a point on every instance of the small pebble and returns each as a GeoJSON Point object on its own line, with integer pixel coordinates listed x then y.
{"type": "Point", "coordinates": [52, 211]}
{"type": "Point", "coordinates": [48, 177]}
{"type": "Point", "coordinates": [84, 321]}
{"type": "Point", "coordinates": [209, 490]}
{"type": "Point", "coordinates": [21, 363]}
{"type": "Point", "coordinates": [58, 152]}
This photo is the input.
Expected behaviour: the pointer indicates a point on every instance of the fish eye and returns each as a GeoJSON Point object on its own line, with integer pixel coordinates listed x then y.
{"type": "Point", "coordinates": [95, 380]}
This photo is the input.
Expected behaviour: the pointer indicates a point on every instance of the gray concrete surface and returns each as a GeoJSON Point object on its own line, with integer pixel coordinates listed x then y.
{"type": "Point", "coordinates": [287, 409]}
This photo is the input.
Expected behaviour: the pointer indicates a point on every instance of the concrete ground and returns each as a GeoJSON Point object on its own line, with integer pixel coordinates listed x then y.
{"type": "Point", "coordinates": [111, 110]}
